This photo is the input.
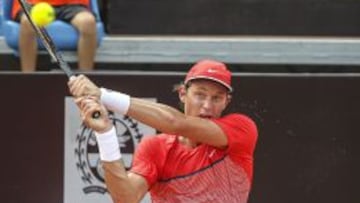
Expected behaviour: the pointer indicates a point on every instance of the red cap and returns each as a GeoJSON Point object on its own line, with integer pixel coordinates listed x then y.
{"type": "Point", "coordinates": [211, 70]}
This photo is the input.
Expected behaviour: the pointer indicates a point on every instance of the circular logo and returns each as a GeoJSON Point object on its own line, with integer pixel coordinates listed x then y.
{"type": "Point", "coordinates": [87, 154]}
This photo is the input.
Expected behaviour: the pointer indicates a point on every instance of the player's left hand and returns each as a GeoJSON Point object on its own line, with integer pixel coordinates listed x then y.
{"type": "Point", "coordinates": [81, 86]}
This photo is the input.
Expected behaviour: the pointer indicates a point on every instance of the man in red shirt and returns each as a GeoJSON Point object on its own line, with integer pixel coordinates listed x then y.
{"type": "Point", "coordinates": [200, 156]}
{"type": "Point", "coordinates": [75, 12]}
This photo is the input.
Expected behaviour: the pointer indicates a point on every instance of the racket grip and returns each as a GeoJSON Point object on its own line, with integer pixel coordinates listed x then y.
{"type": "Point", "coordinates": [96, 115]}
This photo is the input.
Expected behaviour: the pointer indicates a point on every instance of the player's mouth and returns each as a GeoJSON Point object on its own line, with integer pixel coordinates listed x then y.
{"type": "Point", "coordinates": [205, 116]}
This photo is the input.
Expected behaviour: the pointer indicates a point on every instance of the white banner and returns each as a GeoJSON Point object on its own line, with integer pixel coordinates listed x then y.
{"type": "Point", "coordinates": [83, 175]}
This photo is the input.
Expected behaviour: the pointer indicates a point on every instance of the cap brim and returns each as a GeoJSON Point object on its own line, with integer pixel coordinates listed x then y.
{"type": "Point", "coordinates": [213, 79]}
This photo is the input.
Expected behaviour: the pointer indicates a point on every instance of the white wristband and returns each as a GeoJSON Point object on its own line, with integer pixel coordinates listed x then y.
{"type": "Point", "coordinates": [115, 101]}
{"type": "Point", "coordinates": [108, 145]}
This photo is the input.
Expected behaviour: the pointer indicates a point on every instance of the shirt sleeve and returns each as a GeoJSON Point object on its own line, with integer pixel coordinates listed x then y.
{"type": "Point", "coordinates": [242, 134]}
{"type": "Point", "coordinates": [145, 161]}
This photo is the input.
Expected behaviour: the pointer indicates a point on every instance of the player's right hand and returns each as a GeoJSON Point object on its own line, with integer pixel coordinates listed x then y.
{"type": "Point", "coordinates": [89, 105]}
{"type": "Point", "coordinates": [81, 86]}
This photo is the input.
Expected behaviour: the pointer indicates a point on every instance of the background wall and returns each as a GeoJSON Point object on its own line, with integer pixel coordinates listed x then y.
{"type": "Point", "coordinates": [308, 132]}
{"type": "Point", "coordinates": [234, 17]}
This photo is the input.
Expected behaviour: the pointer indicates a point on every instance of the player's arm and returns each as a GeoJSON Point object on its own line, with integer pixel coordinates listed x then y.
{"type": "Point", "coordinates": [159, 116]}
{"type": "Point", "coordinates": [123, 187]}
{"type": "Point", "coordinates": [169, 120]}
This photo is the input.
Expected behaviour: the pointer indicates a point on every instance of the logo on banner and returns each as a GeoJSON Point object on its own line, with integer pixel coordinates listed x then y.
{"type": "Point", "coordinates": [87, 156]}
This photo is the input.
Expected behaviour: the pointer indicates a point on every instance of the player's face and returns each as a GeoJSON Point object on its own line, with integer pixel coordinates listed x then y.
{"type": "Point", "coordinates": [205, 98]}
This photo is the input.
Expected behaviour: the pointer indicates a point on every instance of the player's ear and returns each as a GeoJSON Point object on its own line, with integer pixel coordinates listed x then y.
{"type": "Point", "coordinates": [182, 93]}
{"type": "Point", "coordinates": [228, 99]}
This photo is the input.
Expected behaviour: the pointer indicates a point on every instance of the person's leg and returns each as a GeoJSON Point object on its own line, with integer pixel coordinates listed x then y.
{"type": "Point", "coordinates": [27, 46]}
{"type": "Point", "coordinates": [85, 23]}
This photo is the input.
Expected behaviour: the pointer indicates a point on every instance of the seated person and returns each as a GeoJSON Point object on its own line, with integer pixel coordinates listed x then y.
{"type": "Point", "coordinates": [75, 12]}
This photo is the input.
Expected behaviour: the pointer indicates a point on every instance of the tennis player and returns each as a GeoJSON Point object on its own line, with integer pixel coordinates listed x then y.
{"type": "Point", "coordinates": [200, 156]}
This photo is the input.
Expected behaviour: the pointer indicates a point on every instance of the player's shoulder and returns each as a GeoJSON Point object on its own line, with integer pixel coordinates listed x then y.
{"type": "Point", "coordinates": [237, 121]}
{"type": "Point", "coordinates": [156, 144]}
{"type": "Point", "coordinates": [238, 117]}
{"type": "Point", "coordinates": [159, 139]}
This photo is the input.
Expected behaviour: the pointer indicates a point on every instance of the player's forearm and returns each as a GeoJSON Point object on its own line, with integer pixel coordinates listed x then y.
{"type": "Point", "coordinates": [159, 116]}
{"type": "Point", "coordinates": [156, 115]}
{"type": "Point", "coordinates": [117, 180]}
{"type": "Point", "coordinates": [142, 110]}
{"type": "Point", "coordinates": [118, 183]}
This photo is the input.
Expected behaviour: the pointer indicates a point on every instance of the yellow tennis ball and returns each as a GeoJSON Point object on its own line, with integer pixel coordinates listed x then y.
{"type": "Point", "coordinates": [42, 14]}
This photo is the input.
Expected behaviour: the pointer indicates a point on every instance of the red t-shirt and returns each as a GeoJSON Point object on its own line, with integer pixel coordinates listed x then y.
{"type": "Point", "coordinates": [176, 173]}
{"type": "Point", "coordinates": [16, 4]}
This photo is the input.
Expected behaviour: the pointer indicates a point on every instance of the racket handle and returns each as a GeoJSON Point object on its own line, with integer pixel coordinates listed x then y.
{"type": "Point", "coordinates": [96, 115]}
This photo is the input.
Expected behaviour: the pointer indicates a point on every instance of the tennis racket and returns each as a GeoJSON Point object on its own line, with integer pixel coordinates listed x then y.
{"type": "Point", "coordinates": [49, 45]}
{"type": "Point", "coordinates": [47, 41]}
